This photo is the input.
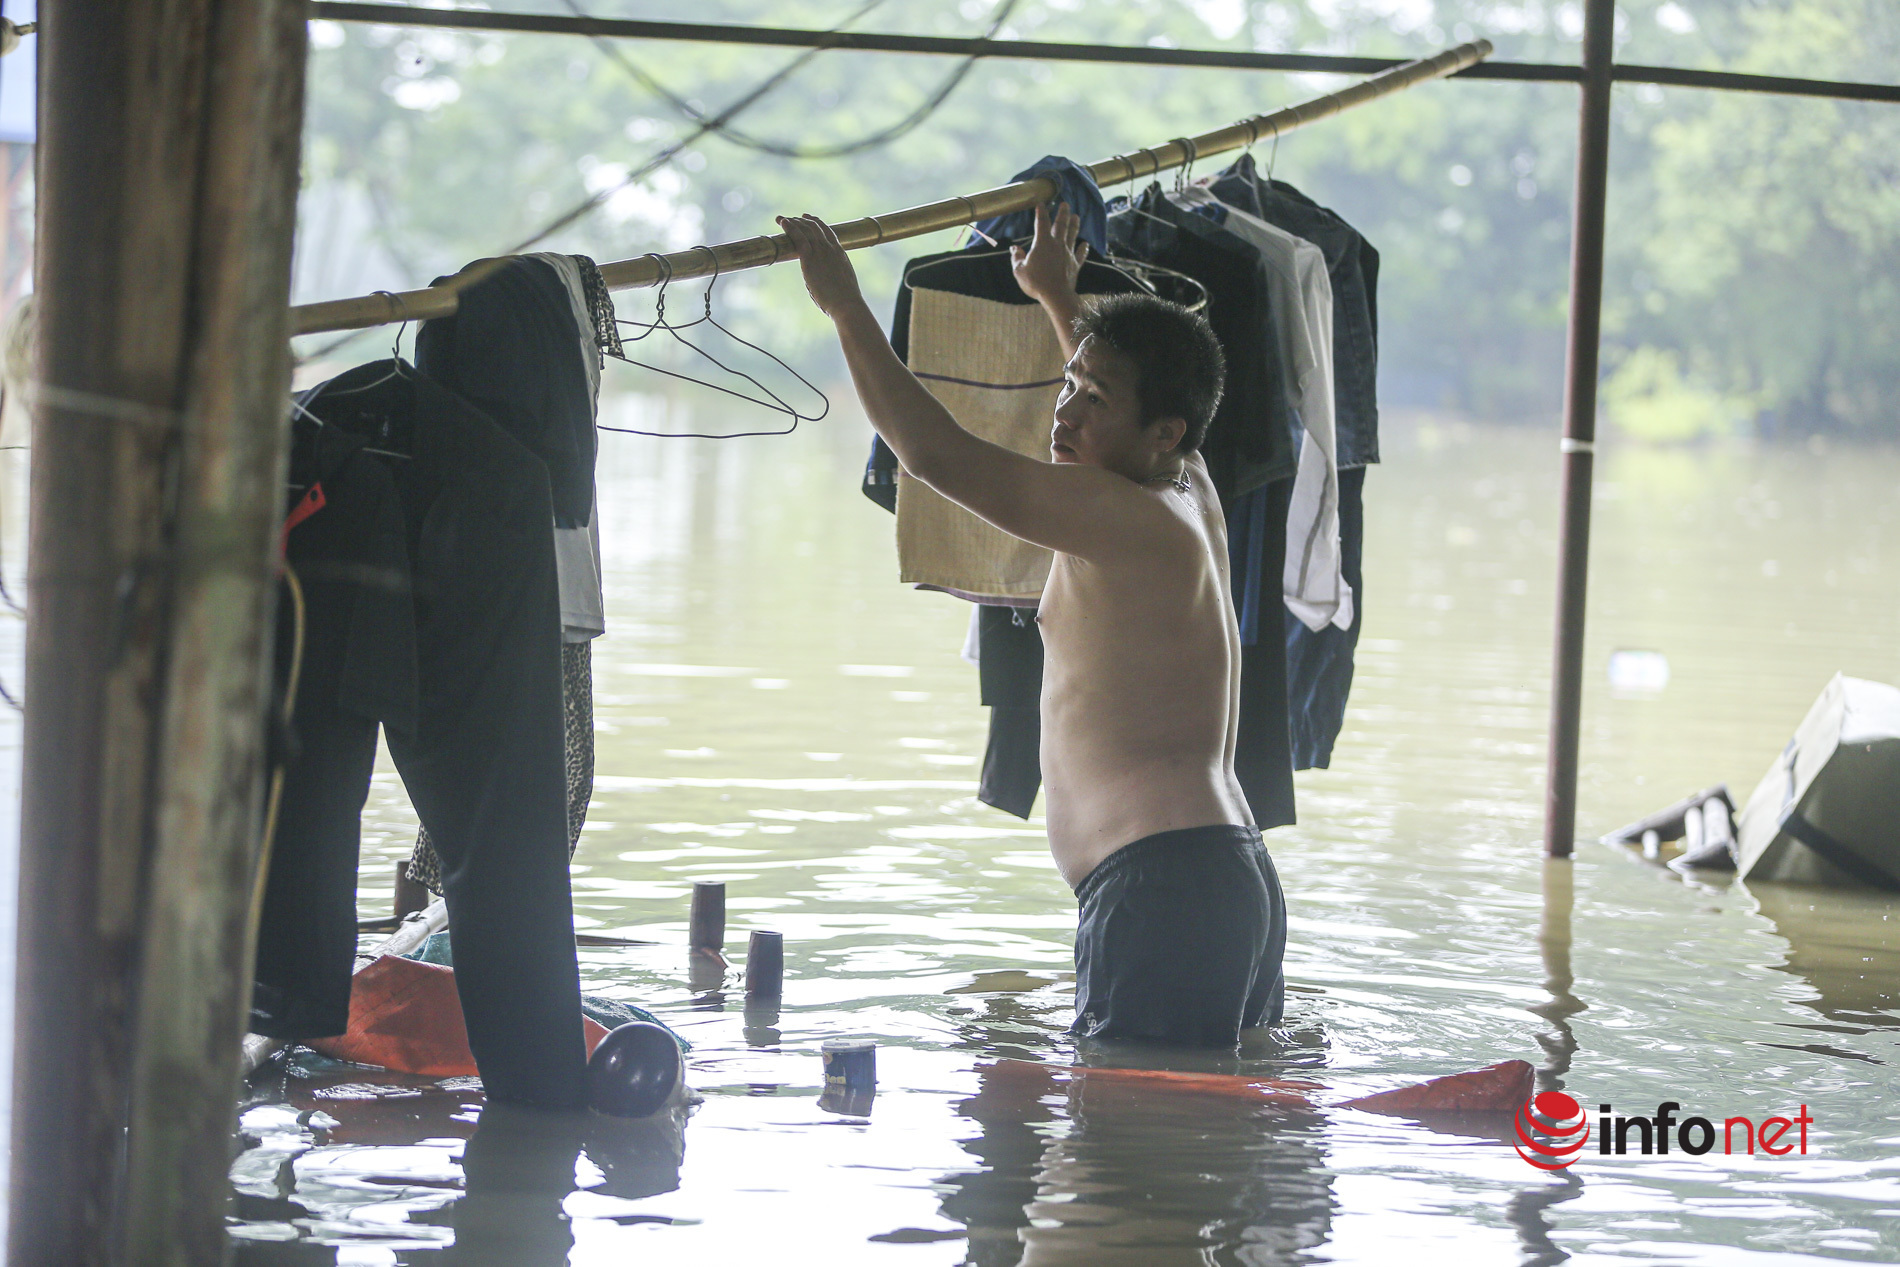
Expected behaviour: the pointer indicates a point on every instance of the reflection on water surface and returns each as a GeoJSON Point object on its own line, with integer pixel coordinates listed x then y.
{"type": "Point", "coordinates": [775, 712]}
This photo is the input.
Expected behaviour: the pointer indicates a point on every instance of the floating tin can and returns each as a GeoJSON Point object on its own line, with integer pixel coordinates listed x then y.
{"type": "Point", "coordinates": [847, 1103]}
{"type": "Point", "coordinates": [850, 1064]}
{"type": "Point", "coordinates": [850, 1076]}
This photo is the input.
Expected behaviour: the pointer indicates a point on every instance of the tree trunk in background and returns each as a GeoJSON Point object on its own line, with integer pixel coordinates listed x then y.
{"type": "Point", "coordinates": [169, 139]}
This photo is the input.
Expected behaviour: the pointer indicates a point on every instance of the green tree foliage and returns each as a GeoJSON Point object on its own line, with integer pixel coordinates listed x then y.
{"type": "Point", "coordinates": [1753, 239]}
{"type": "Point", "coordinates": [1763, 245]}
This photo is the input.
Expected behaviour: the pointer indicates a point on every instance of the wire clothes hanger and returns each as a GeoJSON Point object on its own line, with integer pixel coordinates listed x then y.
{"type": "Point", "coordinates": [1253, 171]}
{"type": "Point", "coordinates": [1135, 271]}
{"type": "Point", "coordinates": [396, 370]}
{"type": "Point", "coordinates": [773, 402]}
{"type": "Point", "coordinates": [1139, 270]}
{"type": "Point", "coordinates": [999, 248]}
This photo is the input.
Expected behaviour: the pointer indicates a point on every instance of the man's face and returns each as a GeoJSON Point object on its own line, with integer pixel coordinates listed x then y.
{"type": "Point", "coordinates": [1098, 415]}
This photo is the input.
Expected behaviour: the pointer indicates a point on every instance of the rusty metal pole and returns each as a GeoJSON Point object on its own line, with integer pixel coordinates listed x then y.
{"type": "Point", "coordinates": [1580, 426]}
{"type": "Point", "coordinates": [168, 154]}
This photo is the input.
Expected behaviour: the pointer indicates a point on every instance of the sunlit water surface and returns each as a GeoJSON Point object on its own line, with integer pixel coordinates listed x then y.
{"type": "Point", "coordinates": [776, 712]}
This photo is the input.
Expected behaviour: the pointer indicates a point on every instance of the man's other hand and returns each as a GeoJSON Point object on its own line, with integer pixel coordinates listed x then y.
{"type": "Point", "coordinates": [829, 277]}
{"type": "Point", "coordinates": [1048, 269]}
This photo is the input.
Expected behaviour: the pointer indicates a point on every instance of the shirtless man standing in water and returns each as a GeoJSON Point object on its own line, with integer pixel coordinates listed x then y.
{"type": "Point", "coordinates": [1182, 925]}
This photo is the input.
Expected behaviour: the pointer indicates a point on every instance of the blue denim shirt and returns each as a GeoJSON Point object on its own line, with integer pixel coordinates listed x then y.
{"type": "Point", "coordinates": [1074, 186]}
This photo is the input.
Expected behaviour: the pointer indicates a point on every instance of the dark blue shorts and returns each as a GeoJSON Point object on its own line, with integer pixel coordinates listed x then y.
{"type": "Point", "coordinates": [1180, 939]}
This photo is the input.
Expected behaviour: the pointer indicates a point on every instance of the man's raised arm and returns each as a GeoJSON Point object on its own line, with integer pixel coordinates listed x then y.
{"type": "Point", "coordinates": [1048, 269]}
{"type": "Point", "coordinates": [1075, 509]}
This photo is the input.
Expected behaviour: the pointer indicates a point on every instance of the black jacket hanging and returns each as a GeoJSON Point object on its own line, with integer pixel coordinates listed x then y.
{"type": "Point", "coordinates": [482, 758]}
{"type": "Point", "coordinates": [513, 350]}
{"type": "Point", "coordinates": [347, 547]}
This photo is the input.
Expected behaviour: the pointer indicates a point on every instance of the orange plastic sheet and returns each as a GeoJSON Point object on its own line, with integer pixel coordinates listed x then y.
{"type": "Point", "coordinates": [1499, 1088]}
{"type": "Point", "coordinates": [405, 1015]}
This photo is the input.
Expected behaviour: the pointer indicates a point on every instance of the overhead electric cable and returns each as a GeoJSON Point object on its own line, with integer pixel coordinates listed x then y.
{"type": "Point", "coordinates": [469, 276]}
{"type": "Point", "coordinates": [1064, 51]}
{"type": "Point", "coordinates": [884, 136]}
{"type": "Point", "coordinates": [708, 124]}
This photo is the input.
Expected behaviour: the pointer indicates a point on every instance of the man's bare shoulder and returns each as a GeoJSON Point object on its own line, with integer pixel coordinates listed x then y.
{"type": "Point", "coordinates": [1115, 506]}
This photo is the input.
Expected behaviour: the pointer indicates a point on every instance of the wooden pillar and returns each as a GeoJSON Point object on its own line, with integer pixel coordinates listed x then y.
{"type": "Point", "coordinates": [1580, 427]}
{"type": "Point", "coordinates": [169, 138]}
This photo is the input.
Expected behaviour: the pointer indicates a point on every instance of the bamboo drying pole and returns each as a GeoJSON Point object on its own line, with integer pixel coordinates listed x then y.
{"type": "Point", "coordinates": [731, 257]}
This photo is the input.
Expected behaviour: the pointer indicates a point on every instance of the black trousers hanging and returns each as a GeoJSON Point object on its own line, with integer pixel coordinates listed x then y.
{"type": "Point", "coordinates": [483, 761]}
{"type": "Point", "coordinates": [577, 704]}
{"type": "Point", "coordinates": [1009, 677]}
{"type": "Point", "coordinates": [358, 670]}
{"type": "Point", "coordinates": [485, 766]}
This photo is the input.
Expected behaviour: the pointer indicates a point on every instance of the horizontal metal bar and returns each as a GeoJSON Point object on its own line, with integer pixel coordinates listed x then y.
{"type": "Point", "coordinates": [945, 46]}
{"type": "Point", "coordinates": [759, 252]}
{"type": "Point", "coordinates": [1045, 50]}
{"type": "Point", "coordinates": [1726, 80]}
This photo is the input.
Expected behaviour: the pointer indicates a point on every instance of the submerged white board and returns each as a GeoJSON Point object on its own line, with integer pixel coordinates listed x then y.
{"type": "Point", "coordinates": [1828, 810]}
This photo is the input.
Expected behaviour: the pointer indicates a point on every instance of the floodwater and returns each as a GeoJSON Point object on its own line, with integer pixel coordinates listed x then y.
{"type": "Point", "coordinates": [777, 713]}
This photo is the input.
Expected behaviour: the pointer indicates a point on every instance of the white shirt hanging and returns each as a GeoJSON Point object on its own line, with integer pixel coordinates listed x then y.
{"type": "Point", "coordinates": [1313, 581]}
{"type": "Point", "coordinates": [577, 550]}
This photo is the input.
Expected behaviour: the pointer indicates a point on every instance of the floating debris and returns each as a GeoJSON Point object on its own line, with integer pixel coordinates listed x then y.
{"type": "Point", "coordinates": [1826, 811]}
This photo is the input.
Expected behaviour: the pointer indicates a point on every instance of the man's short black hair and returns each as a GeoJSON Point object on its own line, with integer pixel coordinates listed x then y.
{"type": "Point", "coordinates": [1179, 369]}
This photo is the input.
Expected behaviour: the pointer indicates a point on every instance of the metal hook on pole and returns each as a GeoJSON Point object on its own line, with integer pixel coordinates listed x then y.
{"type": "Point", "coordinates": [713, 253]}
{"type": "Point", "coordinates": [1185, 171]}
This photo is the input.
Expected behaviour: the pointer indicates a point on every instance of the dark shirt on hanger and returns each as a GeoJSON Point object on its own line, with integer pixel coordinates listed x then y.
{"type": "Point", "coordinates": [1353, 266]}
{"type": "Point", "coordinates": [512, 349]}
{"type": "Point", "coordinates": [1251, 440]}
{"type": "Point", "coordinates": [1319, 662]}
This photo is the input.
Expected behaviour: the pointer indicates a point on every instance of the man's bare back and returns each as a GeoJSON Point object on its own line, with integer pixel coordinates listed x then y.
{"type": "Point", "coordinates": [1141, 685]}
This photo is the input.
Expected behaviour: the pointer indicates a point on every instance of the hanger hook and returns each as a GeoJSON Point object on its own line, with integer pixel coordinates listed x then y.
{"type": "Point", "coordinates": [1186, 169]}
{"type": "Point", "coordinates": [395, 344]}
{"type": "Point", "coordinates": [666, 277]}
{"type": "Point", "coordinates": [714, 279]}
{"type": "Point", "coordinates": [391, 297]}
{"type": "Point", "coordinates": [1154, 161]}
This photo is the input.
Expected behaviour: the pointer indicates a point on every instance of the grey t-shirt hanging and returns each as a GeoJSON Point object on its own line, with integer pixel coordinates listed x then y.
{"type": "Point", "coordinates": [577, 550]}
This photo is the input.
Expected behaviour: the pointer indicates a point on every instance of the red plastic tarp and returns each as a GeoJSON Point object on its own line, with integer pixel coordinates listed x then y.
{"type": "Point", "coordinates": [405, 1015]}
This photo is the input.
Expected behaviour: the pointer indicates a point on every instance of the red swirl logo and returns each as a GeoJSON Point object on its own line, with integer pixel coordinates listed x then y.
{"type": "Point", "coordinates": [1561, 1122]}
